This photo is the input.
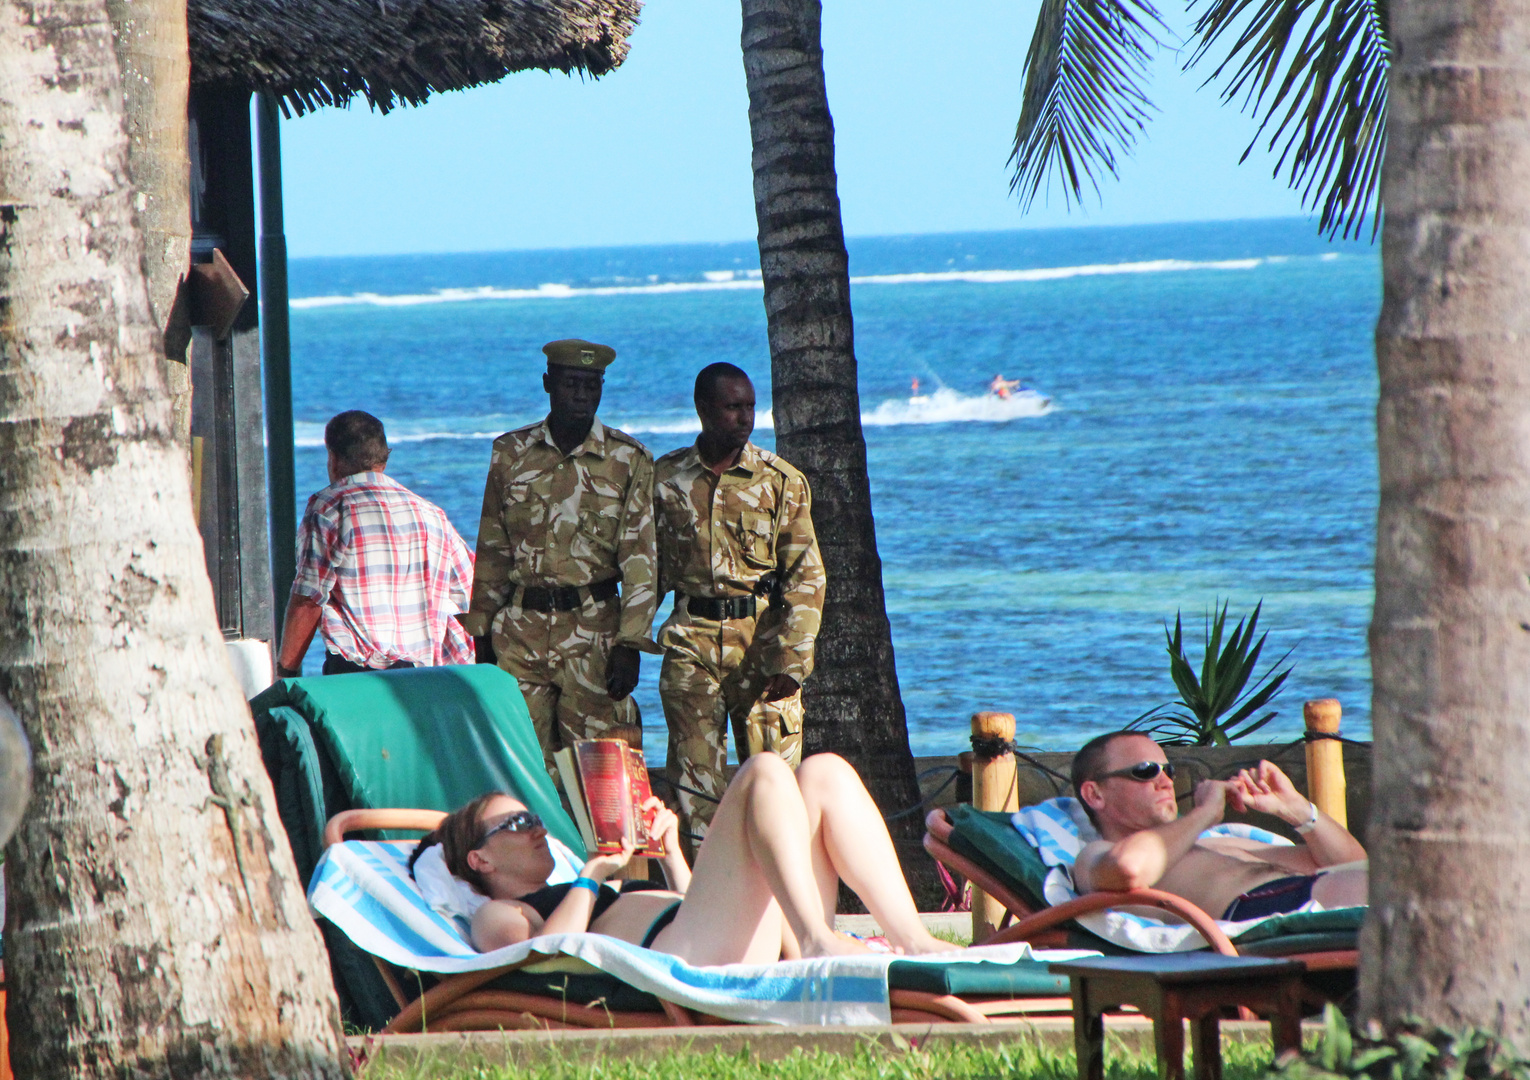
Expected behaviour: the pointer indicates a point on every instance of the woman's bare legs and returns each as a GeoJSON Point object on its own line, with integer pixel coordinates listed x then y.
{"type": "Point", "coordinates": [850, 841]}
{"type": "Point", "coordinates": [777, 847]}
{"type": "Point", "coordinates": [758, 849]}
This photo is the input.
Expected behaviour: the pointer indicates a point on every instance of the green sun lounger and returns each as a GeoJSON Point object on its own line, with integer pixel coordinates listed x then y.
{"type": "Point", "coordinates": [986, 849]}
{"type": "Point", "coordinates": [424, 738]}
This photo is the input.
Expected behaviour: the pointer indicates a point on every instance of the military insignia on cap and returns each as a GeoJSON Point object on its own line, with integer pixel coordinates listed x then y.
{"type": "Point", "coordinates": [579, 353]}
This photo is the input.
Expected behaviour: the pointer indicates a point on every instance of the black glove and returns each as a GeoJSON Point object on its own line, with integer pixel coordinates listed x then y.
{"type": "Point", "coordinates": [773, 587]}
{"type": "Point", "coordinates": [621, 671]}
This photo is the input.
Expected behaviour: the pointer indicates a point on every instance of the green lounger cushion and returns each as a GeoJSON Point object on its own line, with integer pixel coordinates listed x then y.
{"type": "Point", "coordinates": [1298, 944]}
{"type": "Point", "coordinates": [1303, 931]}
{"type": "Point", "coordinates": [1023, 978]}
{"type": "Point", "coordinates": [1339, 920]}
{"type": "Point", "coordinates": [989, 839]}
{"type": "Point", "coordinates": [306, 783]}
{"type": "Point", "coordinates": [427, 738]}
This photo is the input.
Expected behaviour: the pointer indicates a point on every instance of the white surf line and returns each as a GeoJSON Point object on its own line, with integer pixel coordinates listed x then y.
{"type": "Point", "coordinates": [549, 291]}
{"type": "Point", "coordinates": [999, 277]}
{"type": "Point", "coordinates": [740, 280]}
{"type": "Point", "coordinates": [944, 406]}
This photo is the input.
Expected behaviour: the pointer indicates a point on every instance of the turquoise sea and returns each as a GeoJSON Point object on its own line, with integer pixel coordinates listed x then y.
{"type": "Point", "coordinates": [1211, 435]}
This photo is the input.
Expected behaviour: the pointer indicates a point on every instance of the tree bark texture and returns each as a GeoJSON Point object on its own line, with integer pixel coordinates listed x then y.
{"type": "Point", "coordinates": [852, 701]}
{"type": "Point", "coordinates": [155, 67]}
{"type": "Point", "coordinates": [1448, 937]}
{"type": "Point", "coordinates": [135, 943]}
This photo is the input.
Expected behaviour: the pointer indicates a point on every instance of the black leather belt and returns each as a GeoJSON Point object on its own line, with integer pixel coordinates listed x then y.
{"type": "Point", "coordinates": [562, 597]}
{"type": "Point", "coordinates": [719, 608]}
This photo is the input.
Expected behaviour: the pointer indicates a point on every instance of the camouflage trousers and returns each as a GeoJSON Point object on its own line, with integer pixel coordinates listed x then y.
{"type": "Point", "coordinates": [559, 658]}
{"type": "Point", "coordinates": [711, 675]}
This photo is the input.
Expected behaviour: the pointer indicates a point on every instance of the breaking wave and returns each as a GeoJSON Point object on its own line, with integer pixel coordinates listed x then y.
{"type": "Point", "coordinates": [1057, 273]}
{"type": "Point", "coordinates": [943, 406]}
{"type": "Point", "coordinates": [734, 280]}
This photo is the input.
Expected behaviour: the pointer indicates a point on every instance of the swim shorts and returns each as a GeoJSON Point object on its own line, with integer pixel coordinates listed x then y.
{"type": "Point", "coordinates": [1276, 897]}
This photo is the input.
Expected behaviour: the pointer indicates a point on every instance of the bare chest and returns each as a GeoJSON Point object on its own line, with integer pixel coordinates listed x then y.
{"type": "Point", "coordinates": [1212, 876]}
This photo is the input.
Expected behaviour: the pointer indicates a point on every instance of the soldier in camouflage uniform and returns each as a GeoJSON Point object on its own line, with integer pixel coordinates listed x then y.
{"type": "Point", "coordinates": [736, 544]}
{"type": "Point", "coordinates": [567, 515]}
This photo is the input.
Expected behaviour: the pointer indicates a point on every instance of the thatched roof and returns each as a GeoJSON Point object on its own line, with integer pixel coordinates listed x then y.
{"type": "Point", "coordinates": [323, 52]}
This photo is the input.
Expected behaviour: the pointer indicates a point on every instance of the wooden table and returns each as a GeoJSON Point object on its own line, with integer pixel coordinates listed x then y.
{"type": "Point", "coordinates": [1175, 987]}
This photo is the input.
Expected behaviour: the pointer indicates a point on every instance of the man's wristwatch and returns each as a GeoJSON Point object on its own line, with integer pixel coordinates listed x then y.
{"type": "Point", "coordinates": [288, 673]}
{"type": "Point", "coordinates": [1312, 819]}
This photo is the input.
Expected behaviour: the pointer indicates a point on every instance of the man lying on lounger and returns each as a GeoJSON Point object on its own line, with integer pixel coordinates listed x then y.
{"type": "Point", "coordinates": [1127, 787]}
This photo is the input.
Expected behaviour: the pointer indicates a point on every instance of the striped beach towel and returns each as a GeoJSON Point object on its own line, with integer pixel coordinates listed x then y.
{"type": "Point", "coordinates": [1058, 829]}
{"type": "Point", "coordinates": [365, 889]}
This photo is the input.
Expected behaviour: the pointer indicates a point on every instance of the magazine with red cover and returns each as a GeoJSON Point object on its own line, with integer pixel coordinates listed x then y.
{"type": "Point", "coordinates": [615, 782]}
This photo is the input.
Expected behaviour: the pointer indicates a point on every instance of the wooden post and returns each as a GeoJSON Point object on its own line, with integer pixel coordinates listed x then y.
{"type": "Point", "coordinates": [993, 788]}
{"type": "Point", "coordinates": [196, 484]}
{"type": "Point", "coordinates": [1325, 759]}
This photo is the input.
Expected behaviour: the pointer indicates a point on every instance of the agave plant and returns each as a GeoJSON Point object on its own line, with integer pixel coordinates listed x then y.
{"type": "Point", "coordinates": [1222, 689]}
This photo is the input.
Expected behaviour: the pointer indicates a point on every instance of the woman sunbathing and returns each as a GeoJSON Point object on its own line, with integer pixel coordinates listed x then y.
{"type": "Point", "coordinates": [764, 887]}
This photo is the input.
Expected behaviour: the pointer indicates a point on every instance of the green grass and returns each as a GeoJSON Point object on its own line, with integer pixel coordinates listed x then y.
{"type": "Point", "coordinates": [955, 937]}
{"type": "Point", "coordinates": [1023, 1060]}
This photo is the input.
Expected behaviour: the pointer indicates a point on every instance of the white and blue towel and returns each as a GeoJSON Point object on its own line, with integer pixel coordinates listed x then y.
{"type": "Point", "coordinates": [366, 890]}
{"type": "Point", "coordinates": [1058, 829]}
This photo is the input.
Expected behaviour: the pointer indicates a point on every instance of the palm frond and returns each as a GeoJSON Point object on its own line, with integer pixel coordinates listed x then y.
{"type": "Point", "coordinates": [1083, 101]}
{"type": "Point", "coordinates": [1324, 99]}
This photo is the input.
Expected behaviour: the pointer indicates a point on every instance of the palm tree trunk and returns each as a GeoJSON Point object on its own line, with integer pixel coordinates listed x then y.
{"type": "Point", "coordinates": [133, 942]}
{"type": "Point", "coordinates": [852, 702]}
{"type": "Point", "coordinates": [1449, 928]}
{"type": "Point", "coordinates": [150, 40]}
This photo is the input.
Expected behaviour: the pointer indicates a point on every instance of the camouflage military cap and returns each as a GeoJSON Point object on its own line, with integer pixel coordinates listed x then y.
{"type": "Point", "coordinates": [578, 353]}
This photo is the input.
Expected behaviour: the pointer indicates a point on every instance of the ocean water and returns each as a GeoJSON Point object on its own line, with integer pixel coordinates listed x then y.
{"type": "Point", "coordinates": [1210, 435]}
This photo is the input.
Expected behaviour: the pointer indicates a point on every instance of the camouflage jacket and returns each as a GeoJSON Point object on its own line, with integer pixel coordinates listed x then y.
{"type": "Point", "coordinates": [718, 536]}
{"type": "Point", "coordinates": [575, 519]}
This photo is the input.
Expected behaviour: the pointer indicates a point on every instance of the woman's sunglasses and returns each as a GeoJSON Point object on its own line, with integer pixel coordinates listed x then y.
{"type": "Point", "coordinates": [1143, 771]}
{"type": "Point", "coordinates": [520, 821]}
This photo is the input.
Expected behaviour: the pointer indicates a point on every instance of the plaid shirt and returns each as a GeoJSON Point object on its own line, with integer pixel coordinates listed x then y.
{"type": "Point", "coordinates": [389, 572]}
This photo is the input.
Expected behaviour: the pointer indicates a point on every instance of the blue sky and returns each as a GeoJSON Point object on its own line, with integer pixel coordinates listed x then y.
{"type": "Point", "coordinates": [924, 98]}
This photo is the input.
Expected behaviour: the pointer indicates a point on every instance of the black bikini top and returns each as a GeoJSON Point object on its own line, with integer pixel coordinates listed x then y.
{"type": "Point", "coordinates": [546, 899]}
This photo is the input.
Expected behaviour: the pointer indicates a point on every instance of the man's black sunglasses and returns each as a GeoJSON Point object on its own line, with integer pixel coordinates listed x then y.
{"type": "Point", "coordinates": [1143, 771]}
{"type": "Point", "coordinates": [520, 821]}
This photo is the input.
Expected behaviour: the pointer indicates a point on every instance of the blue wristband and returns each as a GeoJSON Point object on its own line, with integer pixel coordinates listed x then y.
{"type": "Point", "coordinates": [587, 883]}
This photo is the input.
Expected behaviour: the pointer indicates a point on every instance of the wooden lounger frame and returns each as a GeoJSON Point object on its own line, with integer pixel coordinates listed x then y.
{"type": "Point", "coordinates": [462, 1003]}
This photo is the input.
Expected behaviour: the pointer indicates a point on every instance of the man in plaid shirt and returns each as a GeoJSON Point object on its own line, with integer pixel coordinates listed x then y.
{"type": "Point", "coordinates": [380, 570]}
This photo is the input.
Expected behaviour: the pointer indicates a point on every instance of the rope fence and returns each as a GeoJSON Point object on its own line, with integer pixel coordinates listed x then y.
{"type": "Point", "coordinates": [989, 747]}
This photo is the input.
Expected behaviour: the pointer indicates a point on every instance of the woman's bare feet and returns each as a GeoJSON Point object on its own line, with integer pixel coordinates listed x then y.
{"type": "Point", "coordinates": [923, 944]}
{"type": "Point", "coordinates": [834, 943]}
